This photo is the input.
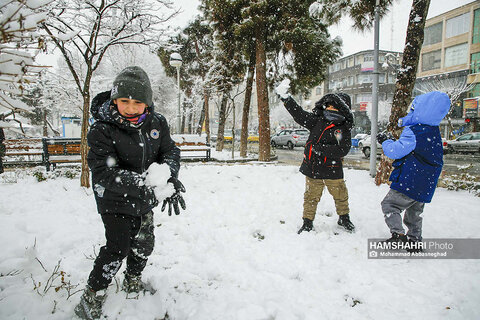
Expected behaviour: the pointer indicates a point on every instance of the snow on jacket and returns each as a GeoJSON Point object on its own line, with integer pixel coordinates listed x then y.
{"type": "Point", "coordinates": [418, 151]}
{"type": "Point", "coordinates": [119, 154]}
{"type": "Point", "coordinates": [329, 140]}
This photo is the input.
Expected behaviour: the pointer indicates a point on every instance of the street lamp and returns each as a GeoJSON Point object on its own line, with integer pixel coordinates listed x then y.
{"type": "Point", "coordinates": [176, 61]}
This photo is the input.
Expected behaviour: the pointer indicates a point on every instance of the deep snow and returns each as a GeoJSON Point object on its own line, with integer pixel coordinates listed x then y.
{"type": "Point", "coordinates": [235, 253]}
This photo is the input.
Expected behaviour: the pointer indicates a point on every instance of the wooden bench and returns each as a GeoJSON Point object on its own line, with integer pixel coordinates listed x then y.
{"type": "Point", "coordinates": [191, 150]}
{"type": "Point", "coordinates": [23, 152]}
{"type": "Point", "coordinates": [60, 150]}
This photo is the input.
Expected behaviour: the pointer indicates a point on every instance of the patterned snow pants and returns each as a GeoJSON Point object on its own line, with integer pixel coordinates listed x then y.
{"type": "Point", "coordinates": [127, 237]}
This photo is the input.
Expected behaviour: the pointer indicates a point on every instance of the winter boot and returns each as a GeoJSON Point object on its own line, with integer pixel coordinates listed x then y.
{"type": "Point", "coordinates": [91, 302]}
{"type": "Point", "coordinates": [133, 284]}
{"type": "Point", "coordinates": [344, 221]}
{"type": "Point", "coordinates": [398, 238]}
{"type": "Point", "coordinates": [307, 225]}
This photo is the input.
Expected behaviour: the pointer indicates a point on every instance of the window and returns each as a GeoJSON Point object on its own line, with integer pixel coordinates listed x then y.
{"type": "Point", "coordinates": [475, 91]}
{"type": "Point", "coordinates": [431, 60]}
{"type": "Point", "coordinates": [318, 91]}
{"type": "Point", "coordinates": [381, 78]}
{"type": "Point", "coordinates": [475, 63]}
{"type": "Point", "coordinates": [364, 97]}
{"type": "Point", "coordinates": [476, 26]}
{"type": "Point", "coordinates": [364, 78]}
{"type": "Point", "coordinates": [368, 57]}
{"type": "Point", "coordinates": [351, 62]}
{"type": "Point", "coordinates": [458, 25]}
{"type": "Point", "coordinates": [433, 34]}
{"type": "Point", "coordinates": [351, 80]}
{"type": "Point", "coordinates": [456, 55]}
{"type": "Point", "coordinates": [344, 82]}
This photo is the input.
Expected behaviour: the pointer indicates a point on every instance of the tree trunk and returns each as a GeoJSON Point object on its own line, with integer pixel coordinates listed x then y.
{"type": "Point", "coordinates": [405, 79]}
{"type": "Point", "coordinates": [207, 115]}
{"type": "Point", "coordinates": [246, 106]}
{"type": "Point", "coordinates": [85, 176]}
{"type": "Point", "coordinates": [45, 123]}
{"type": "Point", "coordinates": [201, 120]}
{"type": "Point", "coordinates": [221, 122]}
{"type": "Point", "coordinates": [262, 97]}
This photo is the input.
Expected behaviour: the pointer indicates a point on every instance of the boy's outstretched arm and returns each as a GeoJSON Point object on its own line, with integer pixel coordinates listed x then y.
{"type": "Point", "coordinates": [401, 147]}
{"type": "Point", "coordinates": [302, 117]}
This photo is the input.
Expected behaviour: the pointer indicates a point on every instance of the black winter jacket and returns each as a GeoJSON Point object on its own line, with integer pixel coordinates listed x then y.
{"type": "Point", "coordinates": [329, 141]}
{"type": "Point", "coordinates": [119, 154]}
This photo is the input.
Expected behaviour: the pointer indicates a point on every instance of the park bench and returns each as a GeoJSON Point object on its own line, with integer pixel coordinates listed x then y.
{"type": "Point", "coordinates": [192, 147]}
{"type": "Point", "coordinates": [23, 152]}
{"type": "Point", "coordinates": [60, 150]}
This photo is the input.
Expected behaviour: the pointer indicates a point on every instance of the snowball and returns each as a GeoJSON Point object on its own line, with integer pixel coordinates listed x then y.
{"type": "Point", "coordinates": [283, 88]}
{"type": "Point", "coordinates": [157, 176]}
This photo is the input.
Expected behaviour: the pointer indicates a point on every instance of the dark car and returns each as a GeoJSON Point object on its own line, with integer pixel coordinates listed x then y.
{"type": "Point", "coordinates": [290, 138]}
{"type": "Point", "coordinates": [469, 142]}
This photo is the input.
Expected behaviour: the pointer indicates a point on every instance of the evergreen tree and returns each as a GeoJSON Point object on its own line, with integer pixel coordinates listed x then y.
{"type": "Point", "coordinates": [288, 43]}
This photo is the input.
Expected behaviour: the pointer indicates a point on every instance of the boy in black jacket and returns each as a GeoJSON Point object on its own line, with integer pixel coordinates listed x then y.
{"type": "Point", "coordinates": [127, 137]}
{"type": "Point", "coordinates": [329, 141]}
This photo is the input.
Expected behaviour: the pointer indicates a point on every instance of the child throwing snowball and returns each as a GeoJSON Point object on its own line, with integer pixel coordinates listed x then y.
{"type": "Point", "coordinates": [329, 141]}
{"type": "Point", "coordinates": [127, 139]}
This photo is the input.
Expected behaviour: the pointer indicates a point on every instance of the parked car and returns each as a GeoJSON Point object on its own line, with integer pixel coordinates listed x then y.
{"type": "Point", "coordinates": [290, 138]}
{"type": "Point", "coordinates": [357, 138]}
{"type": "Point", "coordinates": [365, 146]}
{"type": "Point", "coordinates": [469, 142]}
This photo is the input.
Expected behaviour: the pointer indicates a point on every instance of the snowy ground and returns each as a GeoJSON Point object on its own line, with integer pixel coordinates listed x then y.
{"type": "Point", "coordinates": [235, 253]}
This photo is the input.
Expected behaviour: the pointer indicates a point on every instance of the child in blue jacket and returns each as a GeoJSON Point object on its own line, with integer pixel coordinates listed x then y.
{"type": "Point", "coordinates": [418, 155]}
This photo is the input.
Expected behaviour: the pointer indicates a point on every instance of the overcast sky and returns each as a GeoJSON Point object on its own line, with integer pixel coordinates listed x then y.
{"type": "Point", "coordinates": [393, 28]}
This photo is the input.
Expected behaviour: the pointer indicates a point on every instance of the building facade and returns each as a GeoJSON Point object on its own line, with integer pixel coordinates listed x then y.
{"type": "Point", "coordinates": [450, 62]}
{"type": "Point", "coordinates": [353, 75]}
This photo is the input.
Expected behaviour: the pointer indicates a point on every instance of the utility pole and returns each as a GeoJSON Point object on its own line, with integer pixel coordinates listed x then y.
{"type": "Point", "coordinates": [374, 120]}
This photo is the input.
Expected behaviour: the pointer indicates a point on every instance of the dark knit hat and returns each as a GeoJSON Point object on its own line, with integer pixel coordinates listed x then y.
{"type": "Point", "coordinates": [132, 83]}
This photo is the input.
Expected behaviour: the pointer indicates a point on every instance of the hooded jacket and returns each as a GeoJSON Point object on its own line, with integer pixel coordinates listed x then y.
{"type": "Point", "coordinates": [418, 151]}
{"type": "Point", "coordinates": [330, 137]}
{"type": "Point", "coordinates": [120, 154]}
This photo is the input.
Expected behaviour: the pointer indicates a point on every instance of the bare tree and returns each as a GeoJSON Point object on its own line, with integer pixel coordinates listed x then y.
{"type": "Point", "coordinates": [90, 28]}
{"type": "Point", "coordinates": [454, 87]}
{"type": "Point", "coordinates": [19, 42]}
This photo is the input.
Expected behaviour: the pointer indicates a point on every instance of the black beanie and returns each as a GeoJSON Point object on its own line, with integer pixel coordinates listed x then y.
{"type": "Point", "coordinates": [132, 83]}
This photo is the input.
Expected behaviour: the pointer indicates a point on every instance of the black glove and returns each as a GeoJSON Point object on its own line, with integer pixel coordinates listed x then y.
{"type": "Point", "coordinates": [383, 136]}
{"type": "Point", "coordinates": [176, 198]}
{"type": "Point", "coordinates": [150, 197]}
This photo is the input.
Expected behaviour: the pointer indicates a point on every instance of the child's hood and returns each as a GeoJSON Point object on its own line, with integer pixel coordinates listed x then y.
{"type": "Point", "coordinates": [100, 106]}
{"type": "Point", "coordinates": [429, 108]}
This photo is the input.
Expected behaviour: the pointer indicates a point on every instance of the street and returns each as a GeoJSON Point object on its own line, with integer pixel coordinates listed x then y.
{"type": "Point", "coordinates": [355, 159]}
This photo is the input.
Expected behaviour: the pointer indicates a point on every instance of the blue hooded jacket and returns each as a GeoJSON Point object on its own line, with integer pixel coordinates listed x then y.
{"type": "Point", "coordinates": [418, 151]}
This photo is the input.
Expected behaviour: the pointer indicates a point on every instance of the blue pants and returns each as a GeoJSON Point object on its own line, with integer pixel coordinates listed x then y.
{"type": "Point", "coordinates": [393, 205]}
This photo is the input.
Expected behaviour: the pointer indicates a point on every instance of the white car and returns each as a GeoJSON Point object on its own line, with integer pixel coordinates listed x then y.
{"type": "Point", "coordinates": [469, 142]}
{"type": "Point", "coordinates": [290, 138]}
{"type": "Point", "coordinates": [365, 146]}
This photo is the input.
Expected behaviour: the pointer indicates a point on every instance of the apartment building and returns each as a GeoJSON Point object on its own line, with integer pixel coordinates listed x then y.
{"type": "Point", "coordinates": [353, 75]}
{"type": "Point", "coordinates": [450, 58]}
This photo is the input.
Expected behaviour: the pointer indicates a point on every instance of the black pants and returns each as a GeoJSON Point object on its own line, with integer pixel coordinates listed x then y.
{"type": "Point", "coordinates": [127, 237]}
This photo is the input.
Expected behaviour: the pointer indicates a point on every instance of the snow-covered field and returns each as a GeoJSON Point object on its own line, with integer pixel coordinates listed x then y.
{"type": "Point", "coordinates": [235, 253]}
